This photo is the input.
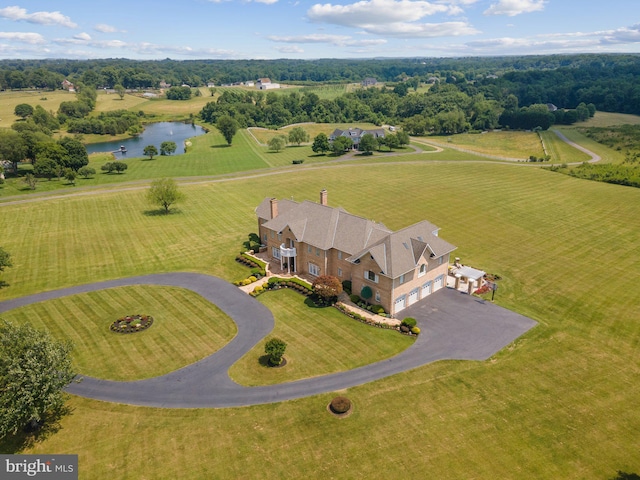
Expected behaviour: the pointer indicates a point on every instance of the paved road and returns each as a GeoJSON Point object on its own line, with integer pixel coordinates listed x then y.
{"type": "Point", "coordinates": [454, 326]}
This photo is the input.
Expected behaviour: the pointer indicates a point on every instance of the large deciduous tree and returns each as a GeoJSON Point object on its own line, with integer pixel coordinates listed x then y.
{"type": "Point", "coordinates": [34, 369]}
{"type": "Point", "coordinates": [341, 145]}
{"type": "Point", "coordinates": [120, 90]}
{"type": "Point", "coordinates": [164, 193]}
{"type": "Point", "coordinates": [77, 156]}
{"type": "Point", "coordinates": [23, 110]}
{"type": "Point", "coordinates": [367, 143]}
{"type": "Point", "coordinates": [12, 147]}
{"type": "Point", "coordinates": [298, 135]}
{"type": "Point", "coordinates": [167, 148]}
{"type": "Point", "coordinates": [228, 127]}
{"type": "Point", "coordinates": [277, 143]}
{"type": "Point", "coordinates": [321, 143]}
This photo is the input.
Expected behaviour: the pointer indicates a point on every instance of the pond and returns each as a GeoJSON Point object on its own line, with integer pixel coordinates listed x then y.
{"type": "Point", "coordinates": [154, 134]}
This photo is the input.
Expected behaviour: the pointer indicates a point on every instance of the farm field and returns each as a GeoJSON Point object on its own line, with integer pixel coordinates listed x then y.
{"type": "Point", "coordinates": [560, 151]}
{"type": "Point", "coordinates": [508, 144]}
{"type": "Point", "coordinates": [319, 341]}
{"type": "Point", "coordinates": [558, 403]}
{"type": "Point", "coordinates": [9, 100]}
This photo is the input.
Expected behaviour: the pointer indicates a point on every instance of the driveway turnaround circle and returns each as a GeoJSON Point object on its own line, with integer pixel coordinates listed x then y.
{"type": "Point", "coordinates": [454, 326]}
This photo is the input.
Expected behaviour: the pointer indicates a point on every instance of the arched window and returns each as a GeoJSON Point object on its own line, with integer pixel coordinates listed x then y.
{"type": "Point", "coordinates": [423, 269]}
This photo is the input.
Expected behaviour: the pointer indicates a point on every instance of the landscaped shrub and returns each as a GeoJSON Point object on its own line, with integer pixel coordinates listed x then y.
{"type": "Point", "coordinates": [415, 330]}
{"type": "Point", "coordinates": [377, 309]}
{"type": "Point", "coordinates": [346, 286]}
{"type": "Point", "coordinates": [354, 298]}
{"type": "Point", "coordinates": [257, 272]}
{"type": "Point", "coordinates": [340, 405]}
{"type": "Point", "coordinates": [404, 329]}
{"type": "Point", "coordinates": [409, 322]}
{"type": "Point", "coordinates": [252, 279]}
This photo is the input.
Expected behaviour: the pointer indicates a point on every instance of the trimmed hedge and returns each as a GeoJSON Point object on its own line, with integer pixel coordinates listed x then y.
{"type": "Point", "coordinates": [409, 322]}
{"type": "Point", "coordinates": [354, 298]}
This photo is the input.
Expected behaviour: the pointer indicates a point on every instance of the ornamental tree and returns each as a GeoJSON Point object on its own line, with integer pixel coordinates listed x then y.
{"type": "Point", "coordinates": [34, 370]}
{"type": "Point", "coordinates": [167, 148]}
{"type": "Point", "coordinates": [327, 288]}
{"type": "Point", "coordinates": [164, 193]}
{"type": "Point", "coordinates": [275, 349]}
{"type": "Point", "coordinates": [150, 151]}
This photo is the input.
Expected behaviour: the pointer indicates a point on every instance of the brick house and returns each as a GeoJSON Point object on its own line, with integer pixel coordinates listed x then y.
{"type": "Point", "coordinates": [400, 268]}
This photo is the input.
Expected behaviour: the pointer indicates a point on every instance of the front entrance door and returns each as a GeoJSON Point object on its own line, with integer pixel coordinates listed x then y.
{"type": "Point", "coordinates": [292, 263]}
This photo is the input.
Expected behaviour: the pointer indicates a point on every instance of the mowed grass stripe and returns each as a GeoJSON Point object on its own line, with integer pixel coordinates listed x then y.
{"type": "Point", "coordinates": [319, 341]}
{"type": "Point", "coordinates": [186, 329]}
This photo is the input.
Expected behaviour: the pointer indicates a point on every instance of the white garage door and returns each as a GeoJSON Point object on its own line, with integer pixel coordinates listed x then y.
{"type": "Point", "coordinates": [438, 283]}
{"type": "Point", "coordinates": [400, 304]}
{"type": "Point", "coordinates": [426, 289]}
{"type": "Point", "coordinates": [413, 296]}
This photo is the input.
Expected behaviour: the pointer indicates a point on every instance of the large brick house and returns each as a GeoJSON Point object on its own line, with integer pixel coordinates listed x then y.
{"type": "Point", "coordinates": [400, 268]}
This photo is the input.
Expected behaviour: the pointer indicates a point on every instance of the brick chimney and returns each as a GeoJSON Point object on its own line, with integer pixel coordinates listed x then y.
{"type": "Point", "coordinates": [323, 197]}
{"type": "Point", "coordinates": [274, 207]}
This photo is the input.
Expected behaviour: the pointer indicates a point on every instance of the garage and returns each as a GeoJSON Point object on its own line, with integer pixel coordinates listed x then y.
{"type": "Point", "coordinates": [400, 304]}
{"type": "Point", "coordinates": [413, 296]}
{"type": "Point", "coordinates": [426, 289]}
{"type": "Point", "coordinates": [438, 283]}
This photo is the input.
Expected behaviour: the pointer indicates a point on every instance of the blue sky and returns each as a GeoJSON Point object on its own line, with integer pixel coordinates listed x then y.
{"type": "Point", "coordinates": [263, 29]}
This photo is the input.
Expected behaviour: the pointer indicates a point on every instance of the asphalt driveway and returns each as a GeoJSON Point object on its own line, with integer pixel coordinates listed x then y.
{"type": "Point", "coordinates": [454, 326]}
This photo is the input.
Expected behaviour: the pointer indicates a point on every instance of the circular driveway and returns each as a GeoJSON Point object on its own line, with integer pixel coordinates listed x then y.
{"type": "Point", "coordinates": [454, 326]}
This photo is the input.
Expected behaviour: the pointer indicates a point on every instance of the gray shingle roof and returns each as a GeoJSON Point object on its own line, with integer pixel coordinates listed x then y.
{"type": "Point", "coordinates": [326, 227]}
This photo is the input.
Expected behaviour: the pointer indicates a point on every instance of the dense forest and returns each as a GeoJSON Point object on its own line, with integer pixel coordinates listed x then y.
{"type": "Point", "coordinates": [611, 82]}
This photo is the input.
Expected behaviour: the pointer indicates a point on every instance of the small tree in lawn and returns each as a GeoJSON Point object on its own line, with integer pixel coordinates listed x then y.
{"type": "Point", "coordinates": [120, 91]}
{"type": "Point", "coordinates": [327, 288]}
{"type": "Point", "coordinates": [5, 259]}
{"type": "Point", "coordinates": [86, 172]}
{"type": "Point", "coordinates": [167, 148]}
{"type": "Point", "coordinates": [298, 135]}
{"type": "Point", "coordinates": [164, 193]}
{"type": "Point", "coordinates": [70, 175]}
{"type": "Point", "coordinates": [119, 166]}
{"type": "Point", "coordinates": [277, 143]}
{"type": "Point", "coordinates": [275, 349]}
{"type": "Point", "coordinates": [30, 180]}
{"type": "Point", "coordinates": [228, 127]}
{"type": "Point", "coordinates": [150, 151]}
{"type": "Point", "coordinates": [34, 370]}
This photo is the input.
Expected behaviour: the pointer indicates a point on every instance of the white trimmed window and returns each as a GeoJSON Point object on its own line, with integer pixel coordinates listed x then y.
{"type": "Point", "coordinates": [280, 236]}
{"type": "Point", "coordinates": [401, 279]}
{"type": "Point", "coordinates": [339, 255]}
{"type": "Point", "coordinates": [309, 249]}
{"type": "Point", "coordinates": [317, 252]}
{"type": "Point", "coordinates": [275, 251]}
{"type": "Point", "coordinates": [314, 269]}
{"type": "Point", "coordinates": [377, 296]}
{"type": "Point", "coordinates": [339, 272]}
{"type": "Point", "coordinates": [371, 276]}
{"type": "Point", "coordinates": [264, 238]}
{"type": "Point", "coordinates": [423, 270]}
{"type": "Point", "coordinates": [440, 260]}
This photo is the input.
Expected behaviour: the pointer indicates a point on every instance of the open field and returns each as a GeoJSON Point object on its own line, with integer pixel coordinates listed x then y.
{"type": "Point", "coordinates": [608, 155]}
{"type": "Point", "coordinates": [511, 144]}
{"type": "Point", "coordinates": [107, 102]}
{"type": "Point", "coordinates": [9, 100]}
{"type": "Point", "coordinates": [319, 341]}
{"type": "Point", "coordinates": [607, 119]}
{"type": "Point", "coordinates": [263, 135]}
{"type": "Point", "coordinates": [186, 329]}
{"type": "Point", "coordinates": [558, 403]}
{"type": "Point", "coordinates": [560, 151]}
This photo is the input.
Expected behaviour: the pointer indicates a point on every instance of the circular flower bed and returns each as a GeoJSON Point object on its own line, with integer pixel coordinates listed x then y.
{"type": "Point", "coordinates": [132, 324]}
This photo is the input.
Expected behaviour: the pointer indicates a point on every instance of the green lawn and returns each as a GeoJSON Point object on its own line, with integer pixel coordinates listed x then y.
{"type": "Point", "coordinates": [186, 329]}
{"type": "Point", "coordinates": [47, 100]}
{"type": "Point", "coordinates": [608, 155]}
{"type": "Point", "coordinates": [560, 151]}
{"type": "Point", "coordinates": [608, 119]}
{"type": "Point", "coordinates": [511, 144]}
{"type": "Point", "coordinates": [558, 403]}
{"type": "Point", "coordinates": [319, 341]}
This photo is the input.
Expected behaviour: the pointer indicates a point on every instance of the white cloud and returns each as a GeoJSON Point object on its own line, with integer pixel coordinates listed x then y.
{"type": "Point", "coordinates": [23, 37]}
{"type": "Point", "coordinates": [419, 30]}
{"type": "Point", "coordinates": [515, 7]}
{"type": "Point", "coordinates": [43, 18]}
{"type": "Point", "coordinates": [622, 35]}
{"type": "Point", "coordinates": [374, 12]}
{"type": "Point", "coordinates": [337, 40]}
{"type": "Point", "coordinates": [289, 49]}
{"type": "Point", "coordinates": [104, 28]}
{"type": "Point", "coordinates": [82, 36]}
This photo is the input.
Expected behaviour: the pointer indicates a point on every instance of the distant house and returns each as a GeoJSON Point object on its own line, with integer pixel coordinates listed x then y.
{"type": "Point", "coordinates": [551, 107]}
{"type": "Point", "coordinates": [266, 84]}
{"type": "Point", "coordinates": [249, 83]}
{"type": "Point", "coordinates": [67, 85]}
{"type": "Point", "coordinates": [164, 84]}
{"type": "Point", "coordinates": [210, 84]}
{"type": "Point", "coordinates": [433, 79]}
{"type": "Point", "coordinates": [369, 81]}
{"type": "Point", "coordinates": [392, 269]}
{"type": "Point", "coordinates": [355, 134]}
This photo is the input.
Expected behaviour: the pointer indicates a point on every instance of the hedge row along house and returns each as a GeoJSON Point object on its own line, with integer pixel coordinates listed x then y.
{"type": "Point", "coordinates": [392, 269]}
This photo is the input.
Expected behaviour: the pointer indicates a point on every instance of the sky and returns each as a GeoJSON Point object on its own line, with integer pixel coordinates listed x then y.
{"type": "Point", "coordinates": [268, 29]}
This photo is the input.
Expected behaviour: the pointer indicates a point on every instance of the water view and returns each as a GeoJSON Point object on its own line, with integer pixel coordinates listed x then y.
{"type": "Point", "coordinates": [154, 134]}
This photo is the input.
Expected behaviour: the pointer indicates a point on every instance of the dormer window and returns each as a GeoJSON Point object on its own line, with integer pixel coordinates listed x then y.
{"type": "Point", "coordinates": [371, 276]}
{"type": "Point", "coordinates": [423, 270]}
